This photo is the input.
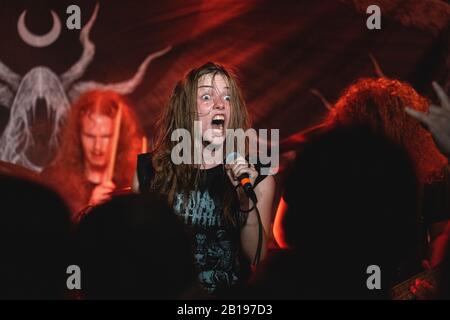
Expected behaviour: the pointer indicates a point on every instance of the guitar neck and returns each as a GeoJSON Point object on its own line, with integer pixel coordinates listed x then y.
{"type": "Point", "coordinates": [402, 290]}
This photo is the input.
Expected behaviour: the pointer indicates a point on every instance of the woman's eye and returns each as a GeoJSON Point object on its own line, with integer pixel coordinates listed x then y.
{"type": "Point", "coordinates": [206, 97]}
{"type": "Point", "coordinates": [227, 98]}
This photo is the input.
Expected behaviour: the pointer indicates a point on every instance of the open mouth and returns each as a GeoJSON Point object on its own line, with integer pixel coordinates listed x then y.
{"type": "Point", "coordinates": [218, 122]}
{"type": "Point", "coordinates": [99, 155]}
{"type": "Point", "coordinates": [41, 126]}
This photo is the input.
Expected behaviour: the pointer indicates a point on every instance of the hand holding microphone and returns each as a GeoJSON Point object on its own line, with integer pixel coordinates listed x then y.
{"type": "Point", "coordinates": [241, 173]}
{"type": "Point", "coordinates": [244, 174]}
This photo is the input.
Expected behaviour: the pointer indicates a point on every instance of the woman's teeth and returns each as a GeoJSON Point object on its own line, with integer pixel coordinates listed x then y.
{"type": "Point", "coordinates": [218, 121]}
{"type": "Point", "coordinates": [218, 117]}
{"type": "Point", "coordinates": [217, 124]}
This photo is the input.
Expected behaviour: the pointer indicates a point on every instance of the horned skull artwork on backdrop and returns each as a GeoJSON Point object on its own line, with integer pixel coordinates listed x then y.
{"type": "Point", "coordinates": [40, 85]}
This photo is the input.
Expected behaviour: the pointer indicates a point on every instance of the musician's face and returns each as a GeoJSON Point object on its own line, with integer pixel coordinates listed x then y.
{"type": "Point", "coordinates": [213, 106]}
{"type": "Point", "coordinates": [96, 134]}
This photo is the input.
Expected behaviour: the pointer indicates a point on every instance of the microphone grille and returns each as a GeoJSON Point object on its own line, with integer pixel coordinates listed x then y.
{"type": "Point", "coordinates": [233, 157]}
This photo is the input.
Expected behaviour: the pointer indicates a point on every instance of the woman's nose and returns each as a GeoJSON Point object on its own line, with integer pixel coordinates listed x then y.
{"type": "Point", "coordinates": [218, 103]}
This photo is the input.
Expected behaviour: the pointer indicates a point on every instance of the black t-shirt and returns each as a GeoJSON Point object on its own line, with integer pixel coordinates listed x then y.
{"type": "Point", "coordinates": [216, 244]}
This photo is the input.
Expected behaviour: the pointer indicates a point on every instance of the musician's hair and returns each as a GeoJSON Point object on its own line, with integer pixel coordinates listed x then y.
{"type": "Point", "coordinates": [69, 161]}
{"type": "Point", "coordinates": [181, 112]}
{"type": "Point", "coordinates": [380, 104]}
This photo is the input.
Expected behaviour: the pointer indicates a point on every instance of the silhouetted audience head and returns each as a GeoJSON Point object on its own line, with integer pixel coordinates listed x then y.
{"type": "Point", "coordinates": [134, 247]}
{"type": "Point", "coordinates": [351, 203]}
{"type": "Point", "coordinates": [34, 241]}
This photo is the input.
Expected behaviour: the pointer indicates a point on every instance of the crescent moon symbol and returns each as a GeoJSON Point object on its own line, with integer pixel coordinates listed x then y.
{"type": "Point", "coordinates": [39, 41]}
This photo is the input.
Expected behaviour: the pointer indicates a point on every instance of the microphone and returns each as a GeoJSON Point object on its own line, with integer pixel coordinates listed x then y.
{"type": "Point", "coordinates": [244, 179]}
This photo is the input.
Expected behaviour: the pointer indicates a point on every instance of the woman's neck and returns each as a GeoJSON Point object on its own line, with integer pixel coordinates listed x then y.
{"type": "Point", "coordinates": [205, 166]}
{"type": "Point", "coordinates": [210, 164]}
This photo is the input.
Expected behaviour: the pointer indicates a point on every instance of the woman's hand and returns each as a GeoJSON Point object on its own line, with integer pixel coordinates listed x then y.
{"type": "Point", "coordinates": [234, 171]}
{"type": "Point", "coordinates": [437, 120]}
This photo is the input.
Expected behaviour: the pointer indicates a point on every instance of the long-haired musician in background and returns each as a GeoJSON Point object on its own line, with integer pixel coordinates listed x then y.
{"type": "Point", "coordinates": [385, 106]}
{"type": "Point", "coordinates": [380, 104]}
{"type": "Point", "coordinates": [221, 219]}
{"type": "Point", "coordinates": [99, 144]}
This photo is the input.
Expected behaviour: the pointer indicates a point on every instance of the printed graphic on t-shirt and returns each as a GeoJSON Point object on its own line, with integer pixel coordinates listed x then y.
{"type": "Point", "coordinates": [215, 255]}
